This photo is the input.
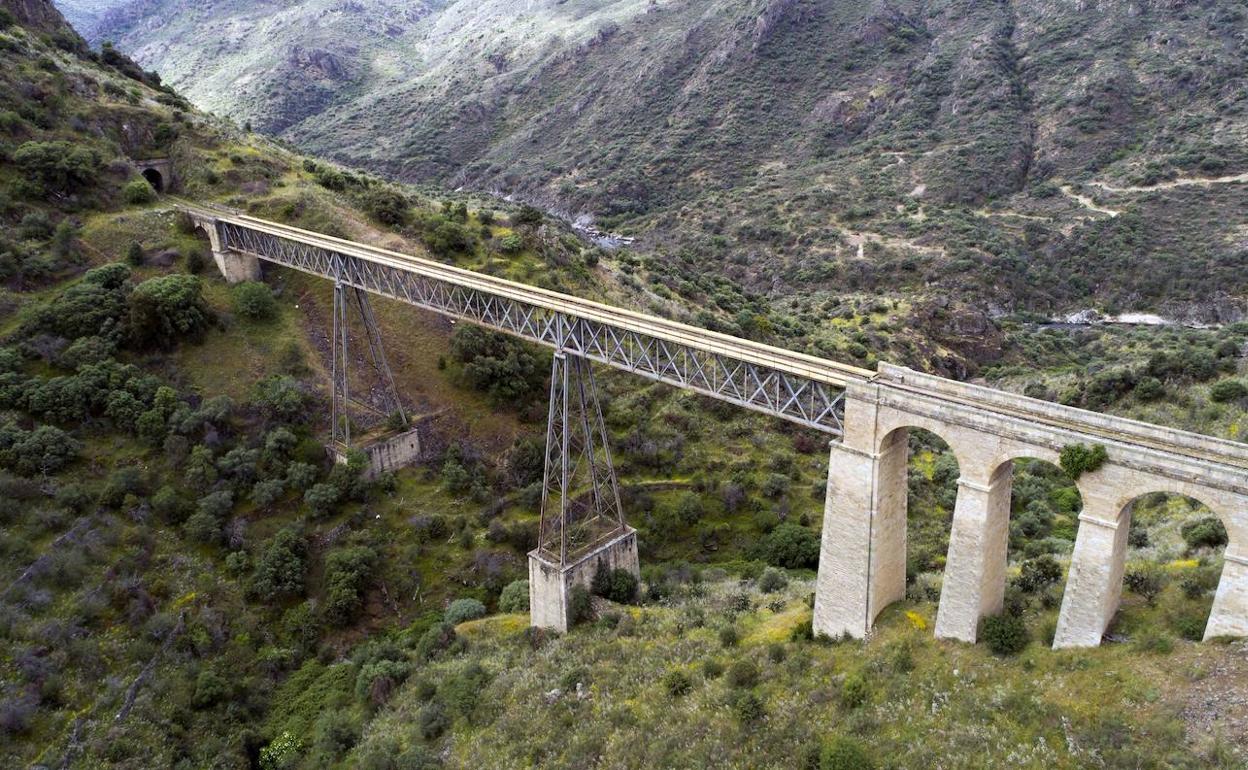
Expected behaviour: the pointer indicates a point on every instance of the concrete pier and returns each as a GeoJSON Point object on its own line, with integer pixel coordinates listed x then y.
{"type": "Point", "coordinates": [550, 584]}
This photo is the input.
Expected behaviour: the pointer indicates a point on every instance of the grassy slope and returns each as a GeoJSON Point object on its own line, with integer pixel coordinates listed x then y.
{"type": "Point", "coordinates": [228, 632]}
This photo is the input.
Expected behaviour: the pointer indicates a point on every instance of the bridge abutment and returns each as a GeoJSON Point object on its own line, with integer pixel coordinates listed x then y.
{"type": "Point", "coordinates": [550, 586]}
{"type": "Point", "coordinates": [235, 267]}
{"type": "Point", "coordinates": [974, 583]}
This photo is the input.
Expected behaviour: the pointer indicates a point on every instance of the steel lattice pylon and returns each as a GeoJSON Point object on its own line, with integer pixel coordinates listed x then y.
{"type": "Point", "coordinates": [340, 418]}
{"type": "Point", "coordinates": [580, 497]}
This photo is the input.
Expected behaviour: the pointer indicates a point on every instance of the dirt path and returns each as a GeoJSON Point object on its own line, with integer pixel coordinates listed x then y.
{"type": "Point", "coordinates": [1087, 202]}
{"type": "Point", "coordinates": [1186, 181]}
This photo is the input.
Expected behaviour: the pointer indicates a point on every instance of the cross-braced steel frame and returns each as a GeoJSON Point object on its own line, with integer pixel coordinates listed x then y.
{"type": "Point", "coordinates": [340, 366]}
{"type": "Point", "coordinates": [580, 496]}
{"type": "Point", "coordinates": [683, 358]}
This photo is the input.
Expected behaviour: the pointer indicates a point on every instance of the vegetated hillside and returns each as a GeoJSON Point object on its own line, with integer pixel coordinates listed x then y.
{"type": "Point", "coordinates": [1032, 154]}
{"type": "Point", "coordinates": [188, 582]}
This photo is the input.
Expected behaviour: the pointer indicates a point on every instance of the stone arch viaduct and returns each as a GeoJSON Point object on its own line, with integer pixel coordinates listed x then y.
{"type": "Point", "coordinates": [868, 415]}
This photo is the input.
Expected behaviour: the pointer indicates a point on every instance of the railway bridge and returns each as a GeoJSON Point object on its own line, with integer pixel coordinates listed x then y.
{"type": "Point", "coordinates": [866, 414]}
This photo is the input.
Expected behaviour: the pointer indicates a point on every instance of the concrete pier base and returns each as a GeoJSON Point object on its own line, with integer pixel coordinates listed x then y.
{"type": "Point", "coordinates": [236, 267]}
{"type": "Point", "coordinates": [388, 454]}
{"type": "Point", "coordinates": [550, 584]}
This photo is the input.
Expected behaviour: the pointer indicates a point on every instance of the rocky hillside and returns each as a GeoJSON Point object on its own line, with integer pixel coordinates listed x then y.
{"type": "Point", "coordinates": [1025, 155]}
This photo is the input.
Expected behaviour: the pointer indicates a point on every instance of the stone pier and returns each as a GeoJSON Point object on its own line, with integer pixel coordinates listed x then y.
{"type": "Point", "coordinates": [550, 584]}
{"type": "Point", "coordinates": [388, 454]}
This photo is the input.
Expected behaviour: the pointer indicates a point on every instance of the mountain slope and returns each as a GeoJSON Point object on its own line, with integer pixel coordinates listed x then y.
{"type": "Point", "coordinates": [816, 146]}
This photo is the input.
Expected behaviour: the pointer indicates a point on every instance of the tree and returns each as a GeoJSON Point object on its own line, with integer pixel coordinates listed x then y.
{"type": "Point", "coordinates": [1206, 532]}
{"type": "Point", "coordinates": [388, 206]}
{"type": "Point", "coordinates": [166, 309]}
{"type": "Point", "coordinates": [280, 398]}
{"type": "Point", "coordinates": [281, 568]}
{"type": "Point", "coordinates": [515, 597]}
{"type": "Point", "coordinates": [254, 300]}
{"type": "Point", "coordinates": [348, 571]}
{"type": "Point", "coordinates": [59, 167]}
{"type": "Point", "coordinates": [1039, 573]}
{"type": "Point", "coordinates": [792, 547]}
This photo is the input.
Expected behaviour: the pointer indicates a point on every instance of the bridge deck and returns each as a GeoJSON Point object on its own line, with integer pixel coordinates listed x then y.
{"type": "Point", "coordinates": [795, 386]}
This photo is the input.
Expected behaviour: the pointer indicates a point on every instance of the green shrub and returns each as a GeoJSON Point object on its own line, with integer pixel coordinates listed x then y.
{"type": "Point", "coordinates": [1078, 459]}
{"type": "Point", "coordinates": [61, 167]}
{"type": "Point", "coordinates": [1004, 634]}
{"type": "Point", "coordinates": [433, 720]}
{"type": "Point", "coordinates": [791, 546]}
{"type": "Point", "coordinates": [167, 309]}
{"type": "Point", "coordinates": [515, 597]}
{"type": "Point", "coordinates": [138, 192]}
{"type": "Point", "coordinates": [728, 636]}
{"type": "Point", "coordinates": [440, 639]}
{"type": "Point", "coordinates": [617, 585]}
{"type": "Point", "coordinates": [677, 683]}
{"type": "Point", "coordinates": [1206, 532]}
{"type": "Point", "coordinates": [1154, 641]}
{"type": "Point", "coordinates": [748, 707]}
{"type": "Point", "coordinates": [772, 580]}
{"type": "Point", "coordinates": [348, 571]}
{"type": "Point", "coordinates": [1039, 573]}
{"type": "Point", "coordinates": [1228, 390]}
{"type": "Point", "coordinates": [743, 673]}
{"type": "Point", "coordinates": [254, 300]}
{"type": "Point", "coordinates": [580, 605]}
{"type": "Point", "coordinates": [1146, 581]}
{"type": "Point", "coordinates": [843, 753]}
{"type": "Point", "coordinates": [282, 565]}
{"type": "Point", "coordinates": [854, 691]}
{"type": "Point", "coordinates": [1189, 625]}
{"type": "Point", "coordinates": [461, 610]}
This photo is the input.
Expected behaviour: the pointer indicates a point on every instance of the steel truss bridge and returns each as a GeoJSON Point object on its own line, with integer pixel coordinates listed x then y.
{"type": "Point", "coordinates": [800, 388]}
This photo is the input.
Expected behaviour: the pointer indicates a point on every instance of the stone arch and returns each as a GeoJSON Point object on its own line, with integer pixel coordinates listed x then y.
{"type": "Point", "coordinates": [155, 179]}
{"type": "Point", "coordinates": [1095, 582]}
{"type": "Point", "coordinates": [891, 525]}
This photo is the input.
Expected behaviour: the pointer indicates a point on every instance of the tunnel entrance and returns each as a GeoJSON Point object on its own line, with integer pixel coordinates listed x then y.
{"type": "Point", "coordinates": [155, 179]}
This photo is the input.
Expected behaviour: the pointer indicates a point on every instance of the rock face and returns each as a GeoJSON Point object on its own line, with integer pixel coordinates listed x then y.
{"type": "Point", "coordinates": [36, 14]}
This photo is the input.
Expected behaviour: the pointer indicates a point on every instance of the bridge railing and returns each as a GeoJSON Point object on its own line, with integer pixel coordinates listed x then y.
{"type": "Point", "coordinates": [803, 389]}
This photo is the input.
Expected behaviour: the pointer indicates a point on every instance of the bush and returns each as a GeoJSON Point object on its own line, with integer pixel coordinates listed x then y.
{"type": "Point", "coordinates": [515, 597]}
{"type": "Point", "coordinates": [792, 547]}
{"type": "Point", "coordinates": [1039, 573]}
{"type": "Point", "coordinates": [728, 636]}
{"type": "Point", "coordinates": [1228, 390]}
{"type": "Point", "coordinates": [505, 369]}
{"type": "Point", "coordinates": [677, 683]}
{"type": "Point", "coordinates": [1078, 459]}
{"type": "Point", "coordinates": [135, 256]}
{"type": "Point", "coordinates": [348, 571]}
{"type": "Point", "coordinates": [772, 580]}
{"type": "Point", "coordinates": [1004, 634]}
{"type": "Point", "coordinates": [138, 192]}
{"type": "Point", "coordinates": [461, 610]}
{"type": "Point", "coordinates": [748, 707]}
{"type": "Point", "coordinates": [854, 691]}
{"type": "Point", "coordinates": [1146, 581]}
{"type": "Point", "coordinates": [322, 498]}
{"type": "Point", "coordinates": [844, 754]}
{"type": "Point", "coordinates": [254, 300]}
{"type": "Point", "coordinates": [617, 585]}
{"type": "Point", "coordinates": [62, 167]}
{"type": "Point", "coordinates": [166, 309]}
{"type": "Point", "coordinates": [1207, 532]}
{"type": "Point", "coordinates": [388, 206]}
{"type": "Point", "coordinates": [433, 720]}
{"type": "Point", "coordinates": [580, 607]}
{"type": "Point", "coordinates": [438, 640]}
{"type": "Point", "coordinates": [281, 567]}
{"type": "Point", "coordinates": [743, 673]}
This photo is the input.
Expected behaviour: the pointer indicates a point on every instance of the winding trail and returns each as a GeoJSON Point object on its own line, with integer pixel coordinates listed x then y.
{"type": "Point", "coordinates": [1185, 181]}
{"type": "Point", "coordinates": [1087, 202]}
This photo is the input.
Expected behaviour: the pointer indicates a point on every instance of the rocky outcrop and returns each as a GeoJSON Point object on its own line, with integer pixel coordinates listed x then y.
{"type": "Point", "coordinates": [35, 14]}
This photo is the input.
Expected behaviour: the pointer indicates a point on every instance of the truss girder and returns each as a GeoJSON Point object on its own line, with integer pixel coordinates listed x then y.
{"type": "Point", "coordinates": [809, 402]}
